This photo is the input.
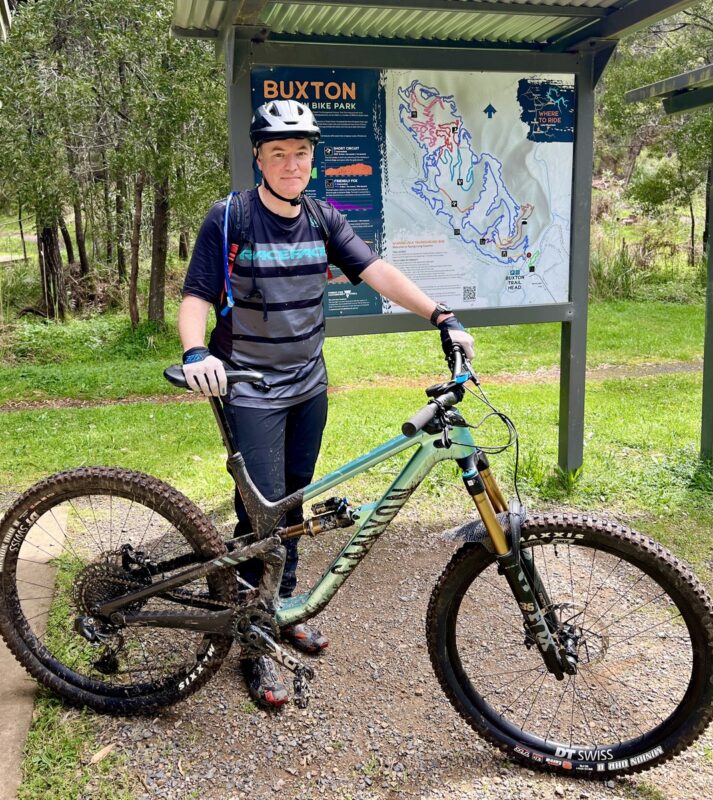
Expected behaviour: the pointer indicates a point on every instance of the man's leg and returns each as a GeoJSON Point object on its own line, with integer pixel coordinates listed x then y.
{"type": "Point", "coordinates": [260, 436]}
{"type": "Point", "coordinates": [303, 438]}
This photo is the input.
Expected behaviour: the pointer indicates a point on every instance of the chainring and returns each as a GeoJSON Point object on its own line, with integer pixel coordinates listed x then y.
{"type": "Point", "coordinates": [258, 617]}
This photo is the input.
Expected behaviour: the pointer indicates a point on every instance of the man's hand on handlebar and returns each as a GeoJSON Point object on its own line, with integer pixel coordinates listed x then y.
{"type": "Point", "coordinates": [204, 373]}
{"type": "Point", "coordinates": [453, 333]}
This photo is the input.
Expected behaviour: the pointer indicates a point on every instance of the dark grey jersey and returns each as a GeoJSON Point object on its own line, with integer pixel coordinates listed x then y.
{"type": "Point", "coordinates": [278, 280]}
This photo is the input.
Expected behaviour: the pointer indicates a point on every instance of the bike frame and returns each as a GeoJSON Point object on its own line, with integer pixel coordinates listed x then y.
{"type": "Point", "coordinates": [454, 443]}
{"type": "Point", "coordinates": [372, 518]}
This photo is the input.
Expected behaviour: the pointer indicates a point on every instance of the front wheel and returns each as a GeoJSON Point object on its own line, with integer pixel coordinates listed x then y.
{"type": "Point", "coordinates": [81, 538]}
{"type": "Point", "coordinates": [643, 631]}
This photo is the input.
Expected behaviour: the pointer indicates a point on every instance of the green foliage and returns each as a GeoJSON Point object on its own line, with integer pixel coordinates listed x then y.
{"type": "Point", "coordinates": [660, 186]}
{"type": "Point", "coordinates": [102, 358]}
{"type": "Point", "coordinates": [680, 145]}
{"type": "Point", "coordinates": [95, 98]}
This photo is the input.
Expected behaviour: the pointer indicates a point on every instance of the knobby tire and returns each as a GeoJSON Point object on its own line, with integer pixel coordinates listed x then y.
{"type": "Point", "coordinates": [60, 546]}
{"type": "Point", "coordinates": [643, 624]}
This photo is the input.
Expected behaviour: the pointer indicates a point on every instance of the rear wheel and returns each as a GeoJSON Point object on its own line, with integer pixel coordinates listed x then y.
{"type": "Point", "coordinates": [80, 538]}
{"type": "Point", "coordinates": [642, 628]}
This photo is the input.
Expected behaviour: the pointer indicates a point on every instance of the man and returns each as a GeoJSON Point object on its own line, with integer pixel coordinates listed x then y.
{"type": "Point", "coordinates": [270, 318]}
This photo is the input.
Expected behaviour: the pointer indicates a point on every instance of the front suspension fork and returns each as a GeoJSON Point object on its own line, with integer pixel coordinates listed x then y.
{"type": "Point", "coordinates": [518, 567]}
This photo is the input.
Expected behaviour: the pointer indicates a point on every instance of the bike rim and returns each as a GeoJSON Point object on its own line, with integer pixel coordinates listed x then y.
{"type": "Point", "coordinates": [637, 678]}
{"type": "Point", "coordinates": [64, 557]}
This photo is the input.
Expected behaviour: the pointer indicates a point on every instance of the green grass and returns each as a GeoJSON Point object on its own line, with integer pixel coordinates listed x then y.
{"type": "Point", "coordinates": [640, 450]}
{"type": "Point", "coordinates": [641, 443]}
{"type": "Point", "coordinates": [58, 751]}
{"type": "Point", "coordinates": [103, 358]}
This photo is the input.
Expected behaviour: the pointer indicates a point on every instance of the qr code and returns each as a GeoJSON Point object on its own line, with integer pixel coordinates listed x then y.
{"type": "Point", "coordinates": [469, 293]}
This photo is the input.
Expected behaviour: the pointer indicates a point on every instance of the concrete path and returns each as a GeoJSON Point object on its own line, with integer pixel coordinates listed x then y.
{"type": "Point", "coordinates": [17, 688]}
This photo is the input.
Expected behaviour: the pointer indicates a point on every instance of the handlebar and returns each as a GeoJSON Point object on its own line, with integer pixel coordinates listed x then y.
{"type": "Point", "coordinates": [451, 395]}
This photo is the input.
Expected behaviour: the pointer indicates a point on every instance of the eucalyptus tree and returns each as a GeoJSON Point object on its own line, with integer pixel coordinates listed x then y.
{"type": "Point", "coordinates": [101, 106]}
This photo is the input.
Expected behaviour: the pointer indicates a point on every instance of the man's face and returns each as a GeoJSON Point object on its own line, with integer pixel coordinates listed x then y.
{"type": "Point", "coordinates": [286, 164]}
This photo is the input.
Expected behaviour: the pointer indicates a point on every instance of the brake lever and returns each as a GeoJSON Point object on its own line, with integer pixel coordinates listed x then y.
{"type": "Point", "coordinates": [471, 373]}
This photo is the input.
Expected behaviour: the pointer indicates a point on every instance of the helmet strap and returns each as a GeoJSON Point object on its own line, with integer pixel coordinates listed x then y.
{"type": "Point", "coordinates": [293, 201]}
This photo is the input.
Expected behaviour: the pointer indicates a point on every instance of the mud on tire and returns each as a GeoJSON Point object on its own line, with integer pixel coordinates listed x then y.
{"type": "Point", "coordinates": [60, 546]}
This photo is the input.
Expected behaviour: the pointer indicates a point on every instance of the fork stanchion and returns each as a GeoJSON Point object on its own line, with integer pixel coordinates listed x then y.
{"type": "Point", "coordinates": [476, 489]}
{"type": "Point", "coordinates": [491, 487]}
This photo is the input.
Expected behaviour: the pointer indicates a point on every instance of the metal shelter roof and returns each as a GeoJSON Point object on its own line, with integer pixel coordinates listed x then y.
{"type": "Point", "coordinates": [544, 25]}
{"type": "Point", "coordinates": [685, 92]}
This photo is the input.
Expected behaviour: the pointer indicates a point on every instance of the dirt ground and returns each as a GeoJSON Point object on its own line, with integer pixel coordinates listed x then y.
{"type": "Point", "coordinates": [378, 725]}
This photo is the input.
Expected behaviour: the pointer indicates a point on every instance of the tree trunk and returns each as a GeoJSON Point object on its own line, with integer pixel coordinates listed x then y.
{"type": "Point", "coordinates": [159, 250]}
{"type": "Point", "coordinates": [68, 246]}
{"type": "Point", "coordinates": [22, 232]}
{"type": "Point", "coordinates": [692, 254]}
{"type": "Point", "coordinates": [184, 245]}
{"type": "Point", "coordinates": [79, 235]}
{"type": "Point", "coordinates": [634, 152]}
{"type": "Point", "coordinates": [51, 272]}
{"type": "Point", "coordinates": [121, 228]}
{"type": "Point", "coordinates": [135, 248]}
{"type": "Point", "coordinates": [108, 217]}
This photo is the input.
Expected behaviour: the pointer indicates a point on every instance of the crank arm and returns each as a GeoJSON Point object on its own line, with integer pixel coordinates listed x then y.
{"type": "Point", "coordinates": [303, 674]}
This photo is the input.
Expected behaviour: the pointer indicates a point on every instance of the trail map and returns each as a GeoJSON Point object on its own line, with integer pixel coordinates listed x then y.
{"type": "Point", "coordinates": [478, 185]}
{"type": "Point", "coordinates": [462, 180]}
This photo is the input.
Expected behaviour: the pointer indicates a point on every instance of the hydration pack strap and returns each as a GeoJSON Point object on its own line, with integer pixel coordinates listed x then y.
{"type": "Point", "coordinates": [230, 251]}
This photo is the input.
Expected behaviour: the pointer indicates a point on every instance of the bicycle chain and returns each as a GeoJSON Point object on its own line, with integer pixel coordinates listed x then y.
{"type": "Point", "coordinates": [104, 581]}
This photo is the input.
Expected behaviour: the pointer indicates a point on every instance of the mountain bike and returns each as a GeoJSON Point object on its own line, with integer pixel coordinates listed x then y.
{"type": "Point", "coordinates": [573, 644]}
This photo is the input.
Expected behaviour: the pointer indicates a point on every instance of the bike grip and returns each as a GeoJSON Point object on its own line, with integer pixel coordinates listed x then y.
{"type": "Point", "coordinates": [458, 354]}
{"type": "Point", "coordinates": [174, 375]}
{"type": "Point", "coordinates": [422, 417]}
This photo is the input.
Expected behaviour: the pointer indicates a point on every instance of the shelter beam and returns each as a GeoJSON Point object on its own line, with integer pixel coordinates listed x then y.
{"type": "Point", "coordinates": [392, 56]}
{"type": "Point", "coordinates": [630, 18]}
{"type": "Point", "coordinates": [689, 100]}
{"type": "Point", "coordinates": [237, 84]}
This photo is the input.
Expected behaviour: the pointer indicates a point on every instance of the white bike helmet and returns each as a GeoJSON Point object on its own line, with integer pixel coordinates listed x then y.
{"type": "Point", "coordinates": [283, 119]}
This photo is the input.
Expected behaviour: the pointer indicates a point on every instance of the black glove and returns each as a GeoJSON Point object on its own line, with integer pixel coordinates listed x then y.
{"type": "Point", "coordinates": [452, 333]}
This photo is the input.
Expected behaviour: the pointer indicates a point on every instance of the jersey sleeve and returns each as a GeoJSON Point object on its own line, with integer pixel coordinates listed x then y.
{"type": "Point", "coordinates": [205, 276]}
{"type": "Point", "coordinates": [345, 249]}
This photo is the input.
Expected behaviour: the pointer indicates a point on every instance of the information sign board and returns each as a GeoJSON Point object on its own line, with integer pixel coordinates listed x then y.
{"type": "Point", "coordinates": [463, 180]}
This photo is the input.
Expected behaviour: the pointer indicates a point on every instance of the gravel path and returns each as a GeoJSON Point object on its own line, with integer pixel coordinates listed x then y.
{"type": "Point", "coordinates": [378, 725]}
